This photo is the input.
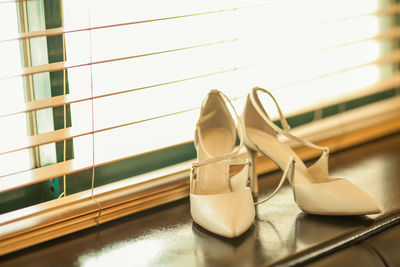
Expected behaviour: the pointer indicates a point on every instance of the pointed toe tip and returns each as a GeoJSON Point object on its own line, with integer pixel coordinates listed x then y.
{"type": "Point", "coordinates": [234, 232]}
{"type": "Point", "coordinates": [233, 228]}
{"type": "Point", "coordinates": [380, 209]}
{"type": "Point", "coordinates": [370, 205]}
{"type": "Point", "coordinates": [375, 208]}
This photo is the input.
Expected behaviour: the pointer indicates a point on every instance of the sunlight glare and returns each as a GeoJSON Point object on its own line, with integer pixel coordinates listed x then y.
{"type": "Point", "coordinates": [309, 52]}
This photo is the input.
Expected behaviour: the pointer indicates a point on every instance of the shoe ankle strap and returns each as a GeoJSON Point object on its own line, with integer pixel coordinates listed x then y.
{"type": "Point", "coordinates": [257, 105]}
{"type": "Point", "coordinates": [256, 102]}
{"type": "Point", "coordinates": [287, 174]}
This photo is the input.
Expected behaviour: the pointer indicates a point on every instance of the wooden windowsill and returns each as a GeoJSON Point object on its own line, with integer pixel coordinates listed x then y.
{"type": "Point", "coordinates": [282, 234]}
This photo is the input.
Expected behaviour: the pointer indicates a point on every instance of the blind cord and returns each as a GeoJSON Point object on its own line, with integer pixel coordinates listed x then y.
{"type": "Point", "coordinates": [92, 111]}
{"type": "Point", "coordinates": [65, 106]}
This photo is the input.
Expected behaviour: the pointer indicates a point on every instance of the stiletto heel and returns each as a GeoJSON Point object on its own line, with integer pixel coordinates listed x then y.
{"type": "Point", "coordinates": [314, 191]}
{"type": "Point", "coordinates": [218, 202]}
{"type": "Point", "coordinates": [253, 173]}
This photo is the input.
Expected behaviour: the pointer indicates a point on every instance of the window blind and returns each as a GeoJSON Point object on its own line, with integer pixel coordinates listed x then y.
{"type": "Point", "coordinates": [133, 75]}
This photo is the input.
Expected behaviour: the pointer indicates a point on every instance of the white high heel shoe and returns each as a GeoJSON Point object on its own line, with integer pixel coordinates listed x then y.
{"type": "Point", "coordinates": [314, 191]}
{"type": "Point", "coordinates": [220, 203]}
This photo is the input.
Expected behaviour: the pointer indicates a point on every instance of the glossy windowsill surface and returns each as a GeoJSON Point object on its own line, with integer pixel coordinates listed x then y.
{"type": "Point", "coordinates": [166, 235]}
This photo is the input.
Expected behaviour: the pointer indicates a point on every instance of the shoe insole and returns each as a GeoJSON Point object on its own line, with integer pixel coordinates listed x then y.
{"type": "Point", "coordinates": [214, 178]}
{"type": "Point", "coordinates": [279, 153]}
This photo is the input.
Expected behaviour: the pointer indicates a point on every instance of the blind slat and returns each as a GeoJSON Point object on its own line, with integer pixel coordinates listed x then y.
{"type": "Point", "coordinates": [51, 102]}
{"type": "Point", "coordinates": [41, 174]}
{"type": "Point", "coordinates": [35, 34]}
{"type": "Point", "coordinates": [42, 139]}
{"type": "Point", "coordinates": [76, 98]}
{"type": "Point", "coordinates": [387, 10]}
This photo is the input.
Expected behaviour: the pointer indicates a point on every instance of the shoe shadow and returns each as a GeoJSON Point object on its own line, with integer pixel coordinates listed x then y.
{"type": "Point", "coordinates": [311, 230]}
{"type": "Point", "coordinates": [214, 250]}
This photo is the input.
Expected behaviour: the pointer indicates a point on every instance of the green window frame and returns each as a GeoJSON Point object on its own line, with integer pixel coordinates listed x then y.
{"type": "Point", "coordinates": [38, 15]}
